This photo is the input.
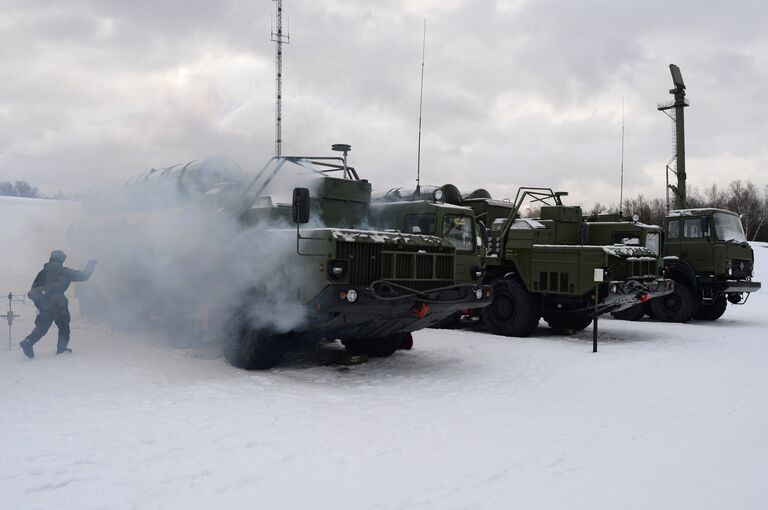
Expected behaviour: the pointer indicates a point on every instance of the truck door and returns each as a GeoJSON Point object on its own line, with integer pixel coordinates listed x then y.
{"type": "Point", "coordinates": [672, 239]}
{"type": "Point", "coordinates": [459, 230]}
{"type": "Point", "coordinates": [696, 244]}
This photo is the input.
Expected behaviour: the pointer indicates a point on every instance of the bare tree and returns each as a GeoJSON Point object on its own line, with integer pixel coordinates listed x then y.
{"type": "Point", "coordinates": [24, 189]}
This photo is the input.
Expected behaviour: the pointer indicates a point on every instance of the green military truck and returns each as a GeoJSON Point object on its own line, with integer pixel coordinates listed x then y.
{"type": "Point", "coordinates": [705, 252]}
{"type": "Point", "coordinates": [707, 255]}
{"type": "Point", "coordinates": [369, 288]}
{"type": "Point", "coordinates": [545, 267]}
{"type": "Point", "coordinates": [324, 275]}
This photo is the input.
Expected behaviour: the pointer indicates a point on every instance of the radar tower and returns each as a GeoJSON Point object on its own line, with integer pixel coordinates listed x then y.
{"type": "Point", "coordinates": [678, 119]}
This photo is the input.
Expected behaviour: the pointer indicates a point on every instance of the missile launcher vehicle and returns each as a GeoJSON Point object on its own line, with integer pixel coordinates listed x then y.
{"type": "Point", "coordinates": [545, 267]}
{"type": "Point", "coordinates": [369, 288]}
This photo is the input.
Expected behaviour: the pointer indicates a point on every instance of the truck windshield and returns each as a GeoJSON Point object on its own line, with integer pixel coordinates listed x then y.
{"type": "Point", "coordinates": [652, 242]}
{"type": "Point", "coordinates": [728, 227]}
{"type": "Point", "coordinates": [420, 223]}
{"type": "Point", "coordinates": [458, 230]}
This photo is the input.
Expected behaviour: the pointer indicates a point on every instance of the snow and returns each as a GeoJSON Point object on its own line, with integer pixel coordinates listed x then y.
{"type": "Point", "coordinates": [392, 236]}
{"type": "Point", "coordinates": [664, 416]}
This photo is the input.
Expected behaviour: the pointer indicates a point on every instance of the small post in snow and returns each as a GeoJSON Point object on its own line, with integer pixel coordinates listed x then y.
{"type": "Point", "coordinates": [599, 276]}
{"type": "Point", "coordinates": [10, 316]}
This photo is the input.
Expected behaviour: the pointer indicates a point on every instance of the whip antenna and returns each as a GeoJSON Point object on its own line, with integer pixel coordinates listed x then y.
{"type": "Point", "coordinates": [421, 98]}
{"type": "Point", "coordinates": [621, 187]}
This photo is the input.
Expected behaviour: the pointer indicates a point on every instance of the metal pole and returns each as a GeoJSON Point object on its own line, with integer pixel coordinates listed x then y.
{"type": "Point", "coordinates": [680, 199]}
{"type": "Point", "coordinates": [10, 318]}
{"type": "Point", "coordinates": [594, 327]}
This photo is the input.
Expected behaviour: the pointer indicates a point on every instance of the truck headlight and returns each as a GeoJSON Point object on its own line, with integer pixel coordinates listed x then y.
{"type": "Point", "coordinates": [337, 269]}
{"type": "Point", "coordinates": [351, 295]}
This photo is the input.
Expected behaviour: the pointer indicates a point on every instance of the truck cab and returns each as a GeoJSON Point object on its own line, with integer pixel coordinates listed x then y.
{"type": "Point", "coordinates": [453, 223]}
{"type": "Point", "coordinates": [706, 252]}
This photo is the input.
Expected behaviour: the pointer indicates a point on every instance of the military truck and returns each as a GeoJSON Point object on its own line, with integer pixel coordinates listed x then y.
{"type": "Point", "coordinates": [707, 255]}
{"type": "Point", "coordinates": [368, 288]}
{"type": "Point", "coordinates": [545, 267]}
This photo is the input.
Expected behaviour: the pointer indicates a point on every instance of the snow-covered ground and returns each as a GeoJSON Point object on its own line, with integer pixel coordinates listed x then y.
{"type": "Point", "coordinates": [664, 416]}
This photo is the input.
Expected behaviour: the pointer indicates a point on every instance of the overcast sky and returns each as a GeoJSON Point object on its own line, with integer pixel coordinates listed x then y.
{"type": "Point", "coordinates": [516, 92]}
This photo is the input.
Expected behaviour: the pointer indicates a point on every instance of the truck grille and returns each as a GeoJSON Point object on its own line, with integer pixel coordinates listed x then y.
{"type": "Point", "coordinates": [639, 267]}
{"type": "Point", "coordinates": [741, 267]}
{"type": "Point", "coordinates": [416, 267]}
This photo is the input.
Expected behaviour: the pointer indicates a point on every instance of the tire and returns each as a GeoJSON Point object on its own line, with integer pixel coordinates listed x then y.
{"type": "Point", "coordinates": [633, 313]}
{"type": "Point", "coordinates": [559, 323]}
{"type": "Point", "coordinates": [513, 312]}
{"type": "Point", "coordinates": [374, 347]}
{"type": "Point", "coordinates": [713, 310]}
{"type": "Point", "coordinates": [679, 306]}
{"type": "Point", "coordinates": [406, 343]}
{"type": "Point", "coordinates": [253, 349]}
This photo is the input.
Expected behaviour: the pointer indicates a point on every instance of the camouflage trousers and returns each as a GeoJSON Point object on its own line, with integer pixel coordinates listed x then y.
{"type": "Point", "coordinates": [43, 322]}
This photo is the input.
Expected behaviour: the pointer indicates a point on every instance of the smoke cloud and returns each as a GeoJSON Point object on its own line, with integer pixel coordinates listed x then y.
{"type": "Point", "coordinates": [173, 255]}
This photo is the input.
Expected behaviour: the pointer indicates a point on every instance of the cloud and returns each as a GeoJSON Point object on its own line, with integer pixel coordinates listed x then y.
{"type": "Point", "coordinates": [515, 92]}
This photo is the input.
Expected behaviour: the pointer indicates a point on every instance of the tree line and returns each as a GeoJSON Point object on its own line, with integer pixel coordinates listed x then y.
{"type": "Point", "coordinates": [19, 189]}
{"type": "Point", "coordinates": [742, 197]}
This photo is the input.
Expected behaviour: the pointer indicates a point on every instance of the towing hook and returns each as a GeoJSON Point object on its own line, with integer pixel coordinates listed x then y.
{"type": "Point", "coordinates": [420, 310]}
{"type": "Point", "coordinates": [644, 297]}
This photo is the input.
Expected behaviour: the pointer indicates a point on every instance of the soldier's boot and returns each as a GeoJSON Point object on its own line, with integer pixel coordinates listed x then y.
{"type": "Point", "coordinates": [26, 347]}
{"type": "Point", "coordinates": [61, 347]}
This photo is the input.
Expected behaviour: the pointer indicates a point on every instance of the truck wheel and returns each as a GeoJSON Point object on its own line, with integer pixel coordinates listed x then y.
{"type": "Point", "coordinates": [254, 349]}
{"type": "Point", "coordinates": [633, 313]}
{"type": "Point", "coordinates": [374, 347]}
{"type": "Point", "coordinates": [679, 306]}
{"type": "Point", "coordinates": [513, 312]}
{"type": "Point", "coordinates": [713, 310]}
{"type": "Point", "coordinates": [568, 323]}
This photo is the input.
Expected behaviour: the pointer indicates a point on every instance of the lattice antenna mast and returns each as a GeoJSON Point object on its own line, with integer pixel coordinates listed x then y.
{"type": "Point", "coordinates": [678, 104]}
{"type": "Point", "coordinates": [279, 39]}
{"type": "Point", "coordinates": [421, 97]}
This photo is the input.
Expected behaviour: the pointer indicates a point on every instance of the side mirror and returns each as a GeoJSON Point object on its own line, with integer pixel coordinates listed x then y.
{"type": "Point", "coordinates": [483, 232]}
{"type": "Point", "coordinates": [300, 205]}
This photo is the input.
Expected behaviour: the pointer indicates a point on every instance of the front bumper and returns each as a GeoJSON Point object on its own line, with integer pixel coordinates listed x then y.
{"type": "Point", "coordinates": [623, 295]}
{"type": "Point", "coordinates": [382, 310]}
{"type": "Point", "coordinates": [735, 286]}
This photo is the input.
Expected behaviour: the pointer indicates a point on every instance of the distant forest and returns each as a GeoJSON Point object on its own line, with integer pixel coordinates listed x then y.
{"type": "Point", "coordinates": [19, 189]}
{"type": "Point", "coordinates": [742, 197]}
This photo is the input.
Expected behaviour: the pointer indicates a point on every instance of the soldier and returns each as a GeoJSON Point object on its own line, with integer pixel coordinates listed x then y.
{"type": "Point", "coordinates": [48, 295]}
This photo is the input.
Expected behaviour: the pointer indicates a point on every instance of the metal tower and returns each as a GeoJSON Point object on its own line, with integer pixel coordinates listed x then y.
{"type": "Point", "coordinates": [279, 38]}
{"type": "Point", "coordinates": [678, 118]}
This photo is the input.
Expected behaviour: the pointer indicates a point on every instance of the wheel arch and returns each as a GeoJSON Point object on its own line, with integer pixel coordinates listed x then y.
{"type": "Point", "coordinates": [680, 271]}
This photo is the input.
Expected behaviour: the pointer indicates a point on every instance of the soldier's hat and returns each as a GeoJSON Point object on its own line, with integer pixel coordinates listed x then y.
{"type": "Point", "coordinates": [58, 256]}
